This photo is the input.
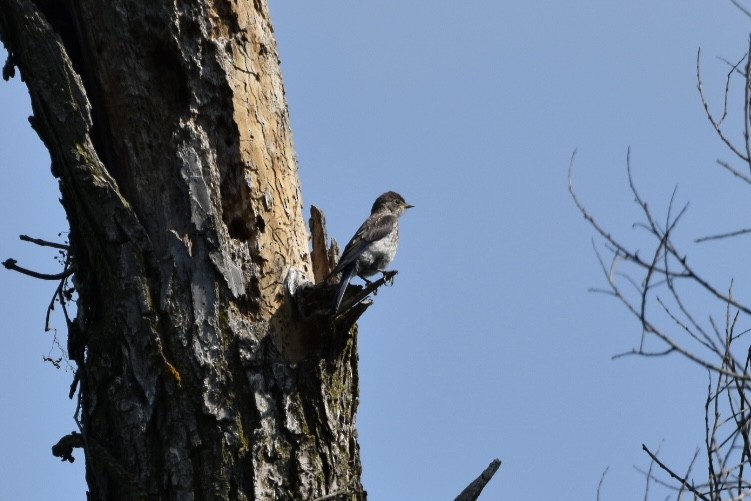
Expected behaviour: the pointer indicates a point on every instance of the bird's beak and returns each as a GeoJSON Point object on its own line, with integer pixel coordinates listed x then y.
{"type": "Point", "coordinates": [408, 206]}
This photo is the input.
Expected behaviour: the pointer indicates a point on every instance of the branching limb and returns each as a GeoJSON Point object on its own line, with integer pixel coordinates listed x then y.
{"type": "Point", "coordinates": [663, 276]}
{"type": "Point", "coordinates": [11, 264]}
{"type": "Point", "coordinates": [650, 328]}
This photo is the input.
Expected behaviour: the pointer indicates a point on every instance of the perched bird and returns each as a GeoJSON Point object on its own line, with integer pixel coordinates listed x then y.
{"type": "Point", "coordinates": [374, 244]}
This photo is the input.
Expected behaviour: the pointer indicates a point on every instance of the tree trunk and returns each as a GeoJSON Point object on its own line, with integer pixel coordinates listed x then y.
{"type": "Point", "coordinates": [168, 129]}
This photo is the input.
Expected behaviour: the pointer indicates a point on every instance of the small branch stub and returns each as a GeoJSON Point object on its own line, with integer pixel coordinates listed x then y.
{"type": "Point", "coordinates": [473, 490]}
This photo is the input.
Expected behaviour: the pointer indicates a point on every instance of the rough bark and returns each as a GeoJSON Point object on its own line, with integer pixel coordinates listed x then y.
{"type": "Point", "coordinates": [168, 129]}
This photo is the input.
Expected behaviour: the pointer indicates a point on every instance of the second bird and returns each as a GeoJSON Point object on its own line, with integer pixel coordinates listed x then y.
{"type": "Point", "coordinates": [374, 244]}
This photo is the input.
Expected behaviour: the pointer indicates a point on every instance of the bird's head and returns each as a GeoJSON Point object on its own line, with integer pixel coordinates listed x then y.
{"type": "Point", "coordinates": [390, 201]}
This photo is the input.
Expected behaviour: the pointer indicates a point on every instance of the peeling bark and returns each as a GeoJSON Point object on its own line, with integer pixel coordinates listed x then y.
{"type": "Point", "coordinates": [168, 129]}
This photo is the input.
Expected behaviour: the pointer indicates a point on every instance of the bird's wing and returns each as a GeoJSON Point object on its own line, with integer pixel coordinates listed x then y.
{"type": "Point", "coordinates": [374, 228]}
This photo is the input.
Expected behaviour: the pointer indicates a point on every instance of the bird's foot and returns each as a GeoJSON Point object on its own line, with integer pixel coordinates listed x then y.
{"type": "Point", "coordinates": [388, 277]}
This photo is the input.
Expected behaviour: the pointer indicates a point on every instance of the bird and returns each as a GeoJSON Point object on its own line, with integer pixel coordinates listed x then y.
{"type": "Point", "coordinates": [374, 244]}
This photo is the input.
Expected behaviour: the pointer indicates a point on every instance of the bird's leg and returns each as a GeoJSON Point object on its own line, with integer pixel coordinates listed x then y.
{"type": "Point", "coordinates": [367, 282]}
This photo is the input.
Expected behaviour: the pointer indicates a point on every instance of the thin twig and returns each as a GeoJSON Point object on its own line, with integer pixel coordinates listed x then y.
{"type": "Point", "coordinates": [649, 477]}
{"type": "Point", "coordinates": [688, 471]}
{"type": "Point", "coordinates": [723, 235]}
{"type": "Point", "coordinates": [602, 481]}
{"type": "Point", "coordinates": [742, 9]}
{"type": "Point", "coordinates": [717, 124]}
{"type": "Point", "coordinates": [734, 172]}
{"type": "Point", "coordinates": [746, 117]}
{"type": "Point", "coordinates": [58, 296]}
{"type": "Point", "coordinates": [44, 243]}
{"type": "Point", "coordinates": [677, 477]}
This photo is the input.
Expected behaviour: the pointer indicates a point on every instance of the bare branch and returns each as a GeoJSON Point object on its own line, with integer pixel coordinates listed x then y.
{"type": "Point", "coordinates": [652, 329]}
{"type": "Point", "coordinates": [664, 242]}
{"type": "Point", "coordinates": [696, 337]}
{"type": "Point", "coordinates": [10, 264]}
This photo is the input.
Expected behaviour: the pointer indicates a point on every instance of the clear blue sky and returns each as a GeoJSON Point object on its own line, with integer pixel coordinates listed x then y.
{"type": "Point", "coordinates": [489, 344]}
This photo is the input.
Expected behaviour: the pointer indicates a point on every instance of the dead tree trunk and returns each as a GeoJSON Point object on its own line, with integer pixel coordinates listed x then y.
{"type": "Point", "coordinates": [168, 129]}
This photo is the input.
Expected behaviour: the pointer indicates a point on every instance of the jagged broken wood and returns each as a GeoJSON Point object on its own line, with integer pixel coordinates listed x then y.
{"type": "Point", "coordinates": [323, 257]}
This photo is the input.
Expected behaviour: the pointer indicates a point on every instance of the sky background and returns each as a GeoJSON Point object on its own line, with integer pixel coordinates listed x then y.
{"type": "Point", "coordinates": [489, 343]}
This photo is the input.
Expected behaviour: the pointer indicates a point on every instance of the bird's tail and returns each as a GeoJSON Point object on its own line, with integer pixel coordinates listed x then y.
{"type": "Point", "coordinates": [347, 275]}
